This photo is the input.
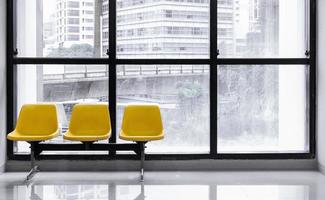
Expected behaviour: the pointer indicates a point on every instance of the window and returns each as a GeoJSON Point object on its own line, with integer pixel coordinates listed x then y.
{"type": "Point", "coordinates": [182, 91]}
{"type": "Point", "coordinates": [176, 24]}
{"type": "Point", "coordinates": [74, 21]}
{"type": "Point", "coordinates": [73, 37]}
{"type": "Point", "coordinates": [88, 4]}
{"type": "Point", "coordinates": [73, 29]}
{"type": "Point", "coordinates": [74, 13]}
{"type": "Point", "coordinates": [262, 108]}
{"type": "Point", "coordinates": [41, 23]}
{"type": "Point", "coordinates": [88, 12]}
{"type": "Point", "coordinates": [264, 27]}
{"type": "Point", "coordinates": [231, 78]}
{"type": "Point", "coordinates": [87, 20]}
{"type": "Point", "coordinates": [73, 4]}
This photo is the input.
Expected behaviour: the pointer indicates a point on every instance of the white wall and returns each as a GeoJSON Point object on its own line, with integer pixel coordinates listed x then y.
{"type": "Point", "coordinates": [321, 85]}
{"type": "Point", "coordinates": [2, 84]}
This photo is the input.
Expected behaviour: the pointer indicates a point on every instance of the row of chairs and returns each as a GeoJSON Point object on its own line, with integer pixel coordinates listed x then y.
{"type": "Point", "coordinates": [88, 123]}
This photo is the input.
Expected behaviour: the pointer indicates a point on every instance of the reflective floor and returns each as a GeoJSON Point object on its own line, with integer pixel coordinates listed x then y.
{"type": "Point", "coordinates": [282, 185]}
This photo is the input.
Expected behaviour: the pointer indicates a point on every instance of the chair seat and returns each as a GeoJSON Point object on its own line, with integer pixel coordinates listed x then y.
{"type": "Point", "coordinates": [141, 138]}
{"type": "Point", "coordinates": [17, 136]}
{"type": "Point", "coordinates": [85, 137]}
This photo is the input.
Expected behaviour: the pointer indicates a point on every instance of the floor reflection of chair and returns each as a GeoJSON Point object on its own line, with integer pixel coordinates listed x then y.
{"type": "Point", "coordinates": [33, 195]}
{"type": "Point", "coordinates": [141, 196]}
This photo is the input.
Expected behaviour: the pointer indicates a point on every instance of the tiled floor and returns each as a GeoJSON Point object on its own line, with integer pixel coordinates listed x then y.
{"type": "Point", "coordinates": [260, 185]}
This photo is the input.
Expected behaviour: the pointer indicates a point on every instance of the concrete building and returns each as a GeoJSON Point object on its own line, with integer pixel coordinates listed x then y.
{"type": "Point", "coordinates": [74, 22]}
{"type": "Point", "coordinates": [162, 29]}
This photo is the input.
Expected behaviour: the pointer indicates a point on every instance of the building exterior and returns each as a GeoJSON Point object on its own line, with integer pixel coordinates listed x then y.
{"type": "Point", "coordinates": [74, 24]}
{"type": "Point", "coordinates": [263, 36]}
{"type": "Point", "coordinates": [145, 28]}
{"type": "Point", "coordinates": [226, 33]}
{"type": "Point", "coordinates": [162, 29]}
{"type": "Point", "coordinates": [104, 26]}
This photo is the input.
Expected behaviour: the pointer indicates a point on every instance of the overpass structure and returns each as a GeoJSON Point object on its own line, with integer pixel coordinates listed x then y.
{"type": "Point", "coordinates": [124, 72]}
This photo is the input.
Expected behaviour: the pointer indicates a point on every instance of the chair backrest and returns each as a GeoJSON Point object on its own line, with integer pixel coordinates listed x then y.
{"type": "Point", "coordinates": [37, 119]}
{"type": "Point", "coordinates": [90, 119]}
{"type": "Point", "coordinates": [142, 120]}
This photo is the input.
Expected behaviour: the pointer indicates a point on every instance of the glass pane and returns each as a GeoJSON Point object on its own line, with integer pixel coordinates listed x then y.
{"type": "Point", "coordinates": [65, 28]}
{"type": "Point", "coordinates": [162, 29]}
{"type": "Point", "coordinates": [182, 91]}
{"type": "Point", "coordinates": [262, 28]}
{"type": "Point", "coordinates": [263, 109]}
{"type": "Point", "coordinates": [64, 85]}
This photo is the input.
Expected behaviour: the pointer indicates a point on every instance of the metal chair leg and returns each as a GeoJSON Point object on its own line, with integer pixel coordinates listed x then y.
{"type": "Point", "coordinates": [34, 167]}
{"type": "Point", "coordinates": [142, 147]}
{"type": "Point", "coordinates": [32, 173]}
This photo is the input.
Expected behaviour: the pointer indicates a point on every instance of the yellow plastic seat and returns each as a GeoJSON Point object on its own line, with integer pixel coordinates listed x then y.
{"type": "Point", "coordinates": [89, 123]}
{"type": "Point", "coordinates": [142, 123]}
{"type": "Point", "coordinates": [36, 122]}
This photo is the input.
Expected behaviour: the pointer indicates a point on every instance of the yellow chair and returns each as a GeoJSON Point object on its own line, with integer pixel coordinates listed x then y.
{"type": "Point", "coordinates": [142, 123]}
{"type": "Point", "coordinates": [89, 123]}
{"type": "Point", "coordinates": [36, 122]}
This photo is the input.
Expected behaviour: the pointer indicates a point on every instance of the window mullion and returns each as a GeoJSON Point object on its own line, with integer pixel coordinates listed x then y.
{"type": "Point", "coordinates": [112, 69]}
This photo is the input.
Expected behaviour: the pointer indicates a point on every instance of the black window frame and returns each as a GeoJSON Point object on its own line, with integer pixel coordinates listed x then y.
{"type": "Point", "coordinates": [112, 61]}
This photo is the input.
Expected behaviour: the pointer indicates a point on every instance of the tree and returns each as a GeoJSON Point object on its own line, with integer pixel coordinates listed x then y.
{"type": "Point", "coordinates": [189, 94]}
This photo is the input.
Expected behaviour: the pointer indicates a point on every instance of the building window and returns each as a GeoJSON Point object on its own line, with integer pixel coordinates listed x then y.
{"type": "Point", "coordinates": [73, 4]}
{"type": "Point", "coordinates": [74, 13]}
{"type": "Point", "coordinates": [74, 21]}
{"type": "Point", "coordinates": [73, 29]}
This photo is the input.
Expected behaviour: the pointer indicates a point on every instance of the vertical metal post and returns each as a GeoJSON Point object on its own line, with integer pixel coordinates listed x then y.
{"type": "Point", "coordinates": [213, 78]}
{"type": "Point", "coordinates": [32, 155]}
{"type": "Point", "coordinates": [313, 77]}
{"type": "Point", "coordinates": [112, 71]}
{"type": "Point", "coordinates": [34, 167]}
{"type": "Point", "coordinates": [142, 155]}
